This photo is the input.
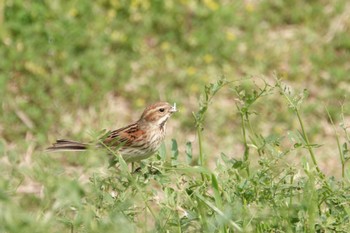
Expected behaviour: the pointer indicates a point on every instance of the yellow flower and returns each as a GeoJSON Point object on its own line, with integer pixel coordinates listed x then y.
{"type": "Point", "coordinates": [115, 3]}
{"type": "Point", "coordinates": [35, 68]}
{"type": "Point", "coordinates": [165, 45]}
{"type": "Point", "coordinates": [140, 4]}
{"type": "Point", "coordinates": [249, 7]}
{"type": "Point", "coordinates": [208, 58]}
{"type": "Point", "coordinates": [230, 36]}
{"type": "Point", "coordinates": [73, 12]}
{"type": "Point", "coordinates": [118, 36]}
{"type": "Point", "coordinates": [191, 70]}
{"type": "Point", "coordinates": [184, 2]}
{"type": "Point", "coordinates": [211, 4]}
{"type": "Point", "coordinates": [140, 102]}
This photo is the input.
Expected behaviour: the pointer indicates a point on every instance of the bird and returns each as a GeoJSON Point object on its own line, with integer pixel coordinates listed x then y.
{"type": "Point", "coordinates": [134, 142]}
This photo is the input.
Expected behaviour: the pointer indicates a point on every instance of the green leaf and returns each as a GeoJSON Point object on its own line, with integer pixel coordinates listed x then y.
{"type": "Point", "coordinates": [345, 151]}
{"type": "Point", "coordinates": [217, 196]}
{"type": "Point", "coordinates": [188, 152]}
{"type": "Point", "coordinates": [162, 152]}
{"type": "Point", "coordinates": [174, 152]}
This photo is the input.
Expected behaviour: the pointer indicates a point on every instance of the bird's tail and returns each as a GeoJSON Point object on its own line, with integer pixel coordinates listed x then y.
{"type": "Point", "coordinates": [67, 145]}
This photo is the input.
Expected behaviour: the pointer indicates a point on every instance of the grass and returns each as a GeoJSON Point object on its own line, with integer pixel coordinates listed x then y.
{"type": "Point", "coordinates": [170, 194]}
{"type": "Point", "coordinates": [261, 142]}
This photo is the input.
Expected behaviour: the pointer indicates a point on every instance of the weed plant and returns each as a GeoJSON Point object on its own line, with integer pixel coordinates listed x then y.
{"type": "Point", "coordinates": [169, 194]}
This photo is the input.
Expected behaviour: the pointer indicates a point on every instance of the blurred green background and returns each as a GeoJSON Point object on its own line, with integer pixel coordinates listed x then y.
{"type": "Point", "coordinates": [59, 57]}
{"type": "Point", "coordinates": [71, 68]}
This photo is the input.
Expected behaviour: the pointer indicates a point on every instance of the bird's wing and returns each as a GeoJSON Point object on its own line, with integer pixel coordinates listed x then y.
{"type": "Point", "coordinates": [124, 136]}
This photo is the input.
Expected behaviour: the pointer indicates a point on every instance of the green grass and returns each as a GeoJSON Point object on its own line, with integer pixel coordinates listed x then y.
{"type": "Point", "coordinates": [260, 144]}
{"type": "Point", "coordinates": [181, 195]}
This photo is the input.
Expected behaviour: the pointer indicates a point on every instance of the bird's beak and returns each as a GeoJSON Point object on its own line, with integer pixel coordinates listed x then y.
{"type": "Point", "coordinates": [173, 108]}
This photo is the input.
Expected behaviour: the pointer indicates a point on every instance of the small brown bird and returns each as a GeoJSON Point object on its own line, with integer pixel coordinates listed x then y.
{"type": "Point", "coordinates": [134, 142]}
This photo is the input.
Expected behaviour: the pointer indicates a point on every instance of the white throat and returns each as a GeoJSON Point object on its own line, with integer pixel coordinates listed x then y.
{"type": "Point", "coordinates": [162, 122]}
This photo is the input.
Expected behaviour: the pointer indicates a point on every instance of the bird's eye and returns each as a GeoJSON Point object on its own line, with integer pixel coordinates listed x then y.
{"type": "Point", "coordinates": [161, 110]}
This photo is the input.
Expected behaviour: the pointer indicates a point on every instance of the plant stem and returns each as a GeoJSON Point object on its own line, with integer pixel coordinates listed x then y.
{"type": "Point", "coordinates": [200, 146]}
{"type": "Point", "coordinates": [306, 138]}
{"type": "Point", "coordinates": [246, 147]}
{"type": "Point", "coordinates": [295, 108]}
{"type": "Point", "coordinates": [341, 154]}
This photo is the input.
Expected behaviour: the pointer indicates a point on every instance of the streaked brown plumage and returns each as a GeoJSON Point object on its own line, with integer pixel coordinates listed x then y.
{"type": "Point", "coordinates": [136, 141]}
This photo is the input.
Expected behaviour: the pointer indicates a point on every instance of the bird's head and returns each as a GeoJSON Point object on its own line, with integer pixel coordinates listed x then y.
{"type": "Point", "coordinates": [158, 113]}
